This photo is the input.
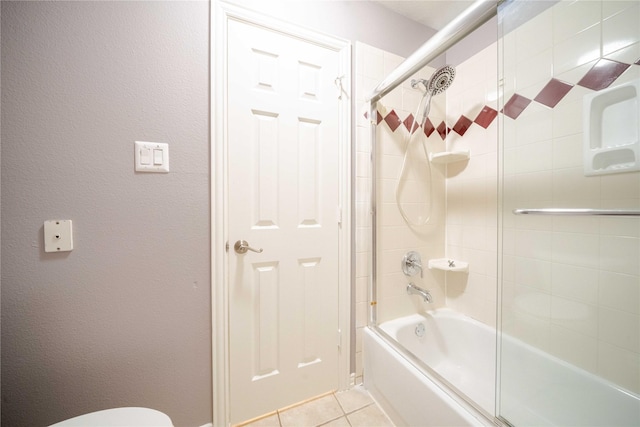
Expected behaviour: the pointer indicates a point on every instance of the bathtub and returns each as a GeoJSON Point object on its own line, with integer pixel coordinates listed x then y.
{"type": "Point", "coordinates": [460, 353]}
{"type": "Point", "coordinates": [458, 349]}
{"type": "Point", "coordinates": [552, 392]}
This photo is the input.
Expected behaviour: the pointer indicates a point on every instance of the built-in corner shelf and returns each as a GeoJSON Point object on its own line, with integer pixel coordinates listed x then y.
{"type": "Point", "coordinates": [447, 157]}
{"type": "Point", "coordinates": [448, 264]}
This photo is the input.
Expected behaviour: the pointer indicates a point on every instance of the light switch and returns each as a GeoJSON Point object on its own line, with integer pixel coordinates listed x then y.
{"type": "Point", "coordinates": [151, 157]}
{"type": "Point", "coordinates": [157, 157]}
{"type": "Point", "coordinates": [145, 156]}
{"type": "Point", "coordinates": [58, 235]}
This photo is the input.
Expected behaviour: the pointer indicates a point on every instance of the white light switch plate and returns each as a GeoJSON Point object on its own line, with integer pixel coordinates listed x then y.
{"type": "Point", "coordinates": [151, 157]}
{"type": "Point", "coordinates": [58, 235]}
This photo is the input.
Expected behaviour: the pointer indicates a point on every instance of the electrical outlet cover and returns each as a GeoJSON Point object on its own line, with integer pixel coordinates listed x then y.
{"type": "Point", "coordinates": [58, 235]}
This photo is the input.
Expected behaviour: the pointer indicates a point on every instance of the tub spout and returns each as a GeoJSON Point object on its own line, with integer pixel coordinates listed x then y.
{"type": "Point", "coordinates": [415, 290]}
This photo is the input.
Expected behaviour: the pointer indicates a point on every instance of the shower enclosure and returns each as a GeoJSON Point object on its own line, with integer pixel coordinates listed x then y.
{"type": "Point", "coordinates": [533, 207]}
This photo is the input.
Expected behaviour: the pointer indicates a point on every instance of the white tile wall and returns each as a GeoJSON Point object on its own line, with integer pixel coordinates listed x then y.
{"type": "Point", "coordinates": [570, 285]}
{"type": "Point", "coordinates": [463, 222]}
{"type": "Point", "coordinates": [616, 32]}
{"type": "Point", "coordinates": [394, 237]}
{"type": "Point", "coordinates": [471, 191]}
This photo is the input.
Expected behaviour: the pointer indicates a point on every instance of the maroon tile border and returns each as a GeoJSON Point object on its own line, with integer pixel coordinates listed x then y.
{"type": "Point", "coordinates": [428, 127]}
{"type": "Point", "coordinates": [392, 120]}
{"type": "Point", "coordinates": [599, 77]}
{"type": "Point", "coordinates": [515, 106]}
{"type": "Point", "coordinates": [443, 130]}
{"type": "Point", "coordinates": [462, 125]}
{"type": "Point", "coordinates": [553, 92]}
{"type": "Point", "coordinates": [408, 123]}
{"type": "Point", "coordinates": [486, 116]}
{"type": "Point", "coordinates": [602, 74]}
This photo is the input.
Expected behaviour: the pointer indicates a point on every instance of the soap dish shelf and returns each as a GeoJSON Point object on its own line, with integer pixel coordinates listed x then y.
{"type": "Point", "coordinates": [448, 264]}
{"type": "Point", "coordinates": [447, 157]}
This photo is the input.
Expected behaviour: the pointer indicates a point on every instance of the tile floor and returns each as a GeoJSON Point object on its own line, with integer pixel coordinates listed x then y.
{"type": "Point", "coordinates": [351, 408]}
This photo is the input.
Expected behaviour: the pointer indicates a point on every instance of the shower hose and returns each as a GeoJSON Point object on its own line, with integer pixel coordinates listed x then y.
{"type": "Point", "coordinates": [427, 95]}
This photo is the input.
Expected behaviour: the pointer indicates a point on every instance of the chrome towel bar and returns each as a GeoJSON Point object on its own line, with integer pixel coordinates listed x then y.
{"type": "Point", "coordinates": [583, 212]}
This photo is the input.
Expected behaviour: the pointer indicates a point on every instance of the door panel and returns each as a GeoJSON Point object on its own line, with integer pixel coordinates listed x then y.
{"type": "Point", "coordinates": [283, 198]}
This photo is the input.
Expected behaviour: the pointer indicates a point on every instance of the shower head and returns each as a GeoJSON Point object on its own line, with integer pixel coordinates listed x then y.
{"type": "Point", "coordinates": [441, 79]}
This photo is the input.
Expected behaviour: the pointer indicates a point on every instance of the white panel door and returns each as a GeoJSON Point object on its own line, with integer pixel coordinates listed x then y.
{"type": "Point", "coordinates": [283, 198]}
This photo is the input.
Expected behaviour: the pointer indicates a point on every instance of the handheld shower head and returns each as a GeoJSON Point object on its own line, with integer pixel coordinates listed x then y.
{"type": "Point", "coordinates": [441, 79]}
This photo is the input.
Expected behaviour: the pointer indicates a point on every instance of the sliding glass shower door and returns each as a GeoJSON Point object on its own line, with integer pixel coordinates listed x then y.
{"type": "Point", "coordinates": [570, 231]}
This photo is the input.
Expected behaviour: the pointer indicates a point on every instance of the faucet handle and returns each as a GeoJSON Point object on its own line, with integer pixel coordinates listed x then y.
{"type": "Point", "coordinates": [411, 263]}
{"type": "Point", "coordinates": [419, 265]}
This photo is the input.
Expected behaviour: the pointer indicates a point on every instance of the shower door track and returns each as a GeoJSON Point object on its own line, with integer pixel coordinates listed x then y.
{"type": "Point", "coordinates": [581, 212]}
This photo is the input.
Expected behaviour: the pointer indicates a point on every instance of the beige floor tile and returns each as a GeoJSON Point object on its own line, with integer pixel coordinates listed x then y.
{"type": "Point", "coordinates": [370, 416]}
{"type": "Point", "coordinates": [270, 421]}
{"type": "Point", "coordinates": [340, 422]}
{"type": "Point", "coordinates": [313, 413]}
{"type": "Point", "coordinates": [354, 399]}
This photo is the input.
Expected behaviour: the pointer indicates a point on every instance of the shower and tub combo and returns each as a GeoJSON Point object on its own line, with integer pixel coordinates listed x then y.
{"type": "Point", "coordinates": [460, 354]}
{"type": "Point", "coordinates": [517, 303]}
{"type": "Point", "coordinates": [454, 347]}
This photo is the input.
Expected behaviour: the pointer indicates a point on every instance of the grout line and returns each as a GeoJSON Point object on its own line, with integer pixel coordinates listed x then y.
{"type": "Point", "coordinates": [340, 404]}
{"type": "Point", "coordinates": [361, 408]}
{"type": "Point", "coordinates": [344, 415]}
{"type": "Point", "coordinates": [335, 419]}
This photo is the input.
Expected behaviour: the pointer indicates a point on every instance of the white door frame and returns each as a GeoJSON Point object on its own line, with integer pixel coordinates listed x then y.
{"type": "Point", "coordinates": [221, 13]}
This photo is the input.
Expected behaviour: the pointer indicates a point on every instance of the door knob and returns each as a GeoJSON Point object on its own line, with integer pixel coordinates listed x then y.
{"type": "Point", "coordinates": [242, 246]}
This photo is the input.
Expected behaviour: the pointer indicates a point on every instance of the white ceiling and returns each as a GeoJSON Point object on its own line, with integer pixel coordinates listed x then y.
{"type": "Point", "coordinates": [432, 13]}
